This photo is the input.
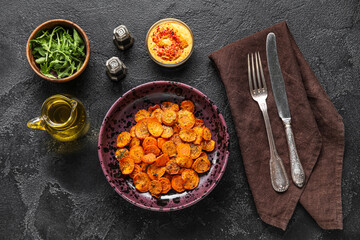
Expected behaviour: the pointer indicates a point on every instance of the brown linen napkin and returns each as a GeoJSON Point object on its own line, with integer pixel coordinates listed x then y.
{"type": "Point", "coordinates": [318, 130]}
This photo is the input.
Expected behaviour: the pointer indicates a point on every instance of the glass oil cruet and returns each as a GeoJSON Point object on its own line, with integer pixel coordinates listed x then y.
{"type": "Point", "coordinates": [63, 116]}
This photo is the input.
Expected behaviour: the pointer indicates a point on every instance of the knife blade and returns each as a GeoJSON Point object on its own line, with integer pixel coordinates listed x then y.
{"type": "Point", "coordinates": [281, 100]}
{"type": "Point", "coordinates": [277, 80]}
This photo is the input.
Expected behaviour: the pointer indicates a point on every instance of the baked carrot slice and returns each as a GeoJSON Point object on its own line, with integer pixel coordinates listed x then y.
{"type": "Point", "coordinates": [208, 145]}
{"type": "Point", "coordinates": [176, 139]}
{"type": "Point", "coordinates": [141, 130]}
{"type": "Point", "coordinates": [136, 170]}
{"type": "Point", "coordinates": [199, 133]}
{"type": "Point", "coordinates": [142, 182]}
{"type": "Point", "coordinates": [195, 150]}
{"type": "Point", "coordinates": [120, 153]}
{"type": "Point", "coordinates": [149, 141]}
{"type": "Point", "coordinates": [183, 149]}
{"type": "Point", "coordinates": [141, 114]}
{"type": "Point", "coordinates": [176, 128]}
{"type": "Point", "coordinates": [169, 117]}
{"type": "Point", "coordinates": [201, 165]}
{"type": "Point", "coordinates": [132, 132]}
{"type": "Point", "coordinates": [169, 106]}
{"type": "Point", "coordinates": [155, 187]}
{"type": "Point", "coordinates": [155, 172]}
{"type": "Point", "coordinates": [182, 161]}
{"type": "Point", "coordinates": [153, 108]}
{"type": "Point", "coordinates": [152, 149]}
{"type": "Point", "coordinates": [186, 119]}
{"type": "Point", "coordinates": [188, 135]}
{"type": "Point", "coordinates": [204, 155]}
{"type": "Point", "coordinates": [199, 122]}
{"type": "Point", "coordinates": [168, 132]}
{"type": "Point", "coordinates": [156, 196]}
{"type": "Point", "coordinates": [189, 163]}
{"type": "Point", "coordinates": [157, 113]}
{"type": "Point", "coordinates": [149, 158]}
{"type": "Point", "coordinates": [169, 148]}
{"type": "Point", "coordinates": [136, 153]}
{"type": "Point", "coordinates": [172, 167]}
{"type": "Point", "coordinates": [162, 160]}
{"type": "Point", "coordinates": [160, 142]}
{"type": "Point", "coordinates": [168, 176]}
{"type": "Point", "coordinates": [134, 142]}
{"type": "Point", "coordinates": [143, 166]}
{"type": "Point", "coordinates": [177, 183]}
{"type": "Point", "coordinates": [206, 134]}
{"type": "Point", "coordinates": [182, 170]}
{"type": "Point", "coordinates": [165, 184]}
{"type": "Point", "coordinates": [123, 139]}
{"type": "Point", "coordinates": [154, 126]}
{"type": "Point", "coordinates": [127, 165]}
{"type": "Point", "coordinates": [190, 178]}
{"type": "Point", "coordinates": [187, 105]}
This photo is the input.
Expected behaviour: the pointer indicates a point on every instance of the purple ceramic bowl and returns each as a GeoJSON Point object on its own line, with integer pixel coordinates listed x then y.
{"type": "Point", "coordinates": [120, 118]}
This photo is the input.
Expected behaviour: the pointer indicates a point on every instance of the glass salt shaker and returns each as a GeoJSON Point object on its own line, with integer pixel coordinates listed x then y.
{"type": "Point", "coordinates": [122, 37]}
{"type": "Point", "coordinates": [115, 69]}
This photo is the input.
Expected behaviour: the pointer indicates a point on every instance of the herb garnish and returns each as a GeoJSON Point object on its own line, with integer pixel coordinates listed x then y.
{"type": "Point", "coordinates": [58, 52]}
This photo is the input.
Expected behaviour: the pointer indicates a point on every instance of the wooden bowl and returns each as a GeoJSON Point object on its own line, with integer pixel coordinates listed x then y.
{"type": "Point", "coordinates": [49, 25]}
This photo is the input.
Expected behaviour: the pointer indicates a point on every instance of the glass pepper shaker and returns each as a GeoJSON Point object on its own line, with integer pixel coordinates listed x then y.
{"type": "Point", "coordinates": [122, 37]}
{"type": "Point", "coordinates": [115, 69]}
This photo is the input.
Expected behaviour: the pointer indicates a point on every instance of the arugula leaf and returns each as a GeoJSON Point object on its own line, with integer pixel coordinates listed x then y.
{"type": "Point", "coordinates": [77, 38]}
{"type": "Point", "coordinates": [59, 52]}
{"type": "Point", "coordinates": [40, 51]}
{"type": "Point", "coordinates": [40, 60]}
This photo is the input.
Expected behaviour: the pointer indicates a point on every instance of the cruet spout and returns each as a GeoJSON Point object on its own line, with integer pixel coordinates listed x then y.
{"type": "Point", "coordinates": [37, 123]}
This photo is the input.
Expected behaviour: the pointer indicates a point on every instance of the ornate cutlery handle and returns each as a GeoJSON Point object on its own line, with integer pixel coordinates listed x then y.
{"type": "Point", "coordinates": [297, 171]}
{"type": "Point", "coordinates": [279, 179]}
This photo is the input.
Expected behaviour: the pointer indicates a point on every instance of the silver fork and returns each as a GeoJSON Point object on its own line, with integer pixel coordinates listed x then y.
{"type": "Point", "coordinates": [258, 90]}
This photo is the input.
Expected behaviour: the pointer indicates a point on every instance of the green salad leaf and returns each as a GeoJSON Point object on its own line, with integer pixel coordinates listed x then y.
{"type": "Point", "coordinates": [59, 52]}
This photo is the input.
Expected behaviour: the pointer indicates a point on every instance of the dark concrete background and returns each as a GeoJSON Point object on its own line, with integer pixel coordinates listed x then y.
{"type": "Point", "coordinates": [52, 190]}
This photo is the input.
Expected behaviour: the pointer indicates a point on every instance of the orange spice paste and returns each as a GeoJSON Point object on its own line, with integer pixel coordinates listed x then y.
{"type": "Point", "coordinates": [170, 42]}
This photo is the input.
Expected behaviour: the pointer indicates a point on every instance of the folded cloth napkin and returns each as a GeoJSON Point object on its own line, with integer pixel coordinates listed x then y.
{"type": "Point", "coordinates": [317, 127]}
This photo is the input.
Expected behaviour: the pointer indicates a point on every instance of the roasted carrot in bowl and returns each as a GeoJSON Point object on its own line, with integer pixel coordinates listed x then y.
{"type": "Point", "coordinates": [164, 150]}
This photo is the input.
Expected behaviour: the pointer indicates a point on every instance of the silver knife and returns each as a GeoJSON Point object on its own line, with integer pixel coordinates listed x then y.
{"type": "Point", "coordinates": [279, 92]}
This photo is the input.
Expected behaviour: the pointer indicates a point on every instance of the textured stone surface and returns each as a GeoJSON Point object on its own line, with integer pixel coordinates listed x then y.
{"type": "Point", "coordinates": [52, 190]}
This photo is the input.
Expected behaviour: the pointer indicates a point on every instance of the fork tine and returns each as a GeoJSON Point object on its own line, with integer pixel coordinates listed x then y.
{"type": "Point", "coordinates": [257, 72]}
{"type": "Point", "coordinates": [262, 73]}
{"type": "Point", "coordinates": [250, 79]}
{"type": "Point", "coordinates": [256, 89]}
